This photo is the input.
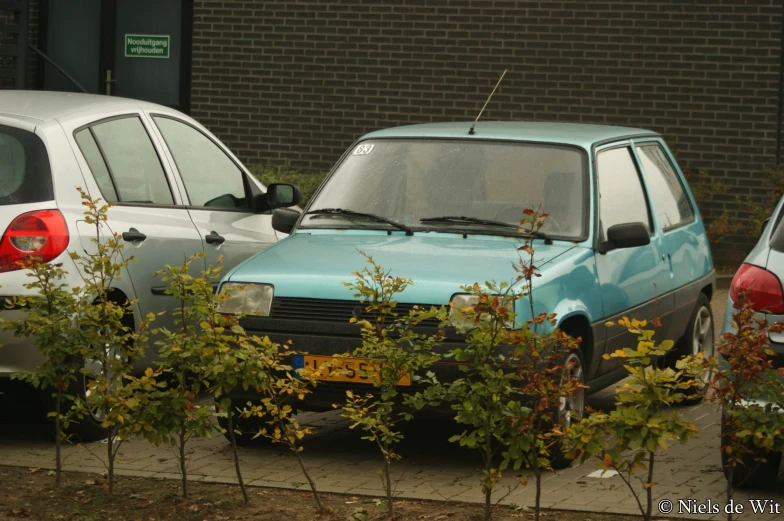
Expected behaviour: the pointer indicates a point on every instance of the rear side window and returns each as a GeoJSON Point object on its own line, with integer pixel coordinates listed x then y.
{"type": "Point", "coordinates": [25, 176]}
{"type": "Point", "coordinates": [97, 165]}
{"type": "Point", "coordinates": [124, 162]}
{"type": "Point", "coordinates": [673, 208]}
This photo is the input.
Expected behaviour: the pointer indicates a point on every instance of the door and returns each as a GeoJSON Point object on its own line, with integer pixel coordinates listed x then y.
{"type": "Point", "coordinates": [151, 219]}
{"type": "Point", "coordinates": [633, 281]}
{"type": "Point", "coordinates": [220, 194]}
{"type": "Point", "coordinates": [137, 49]}
{"type": "Point", "coordinates": [148, 50]}
{"type": "Point", "coordinates": [675, 217]}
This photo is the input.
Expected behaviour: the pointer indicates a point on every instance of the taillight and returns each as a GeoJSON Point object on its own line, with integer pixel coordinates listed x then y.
{"type": "Point", "coordinates": [762, 289]}
{"type": "Point", "coordinates": [42, 234]}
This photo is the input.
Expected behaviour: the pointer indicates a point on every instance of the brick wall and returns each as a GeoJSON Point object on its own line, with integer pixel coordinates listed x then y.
{"type": "Point", "coordinates": [12, 17]}
{"type": "Point", "coordinates": [32, 58]}
{"type": "Point", "coordinates": [297, 81]}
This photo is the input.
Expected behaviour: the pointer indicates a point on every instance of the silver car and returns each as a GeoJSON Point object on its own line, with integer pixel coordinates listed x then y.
{"type": "Point", "coordinates": [177, 191]}
{"type": "Point", "coordinates": [760, 277]}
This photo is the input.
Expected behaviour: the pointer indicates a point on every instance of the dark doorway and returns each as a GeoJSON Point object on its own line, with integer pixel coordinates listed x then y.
{"type": "Point", "coordinates": [137, 49]}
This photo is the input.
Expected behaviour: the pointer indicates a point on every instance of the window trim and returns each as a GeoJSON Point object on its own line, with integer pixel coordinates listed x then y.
{"type": "Point", "coordinates": [600, 238]}
{"type": "Point", "coordinates": [678, 175]}
{"type": "Point", "coordinates": [109, 168]}
{"type": "Point", "coordinates": [105, 163]}
{"type": "Point", "coordinates": [245, 181]}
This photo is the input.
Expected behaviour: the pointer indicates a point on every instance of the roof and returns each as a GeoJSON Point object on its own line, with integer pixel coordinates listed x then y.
{"type": "Point", "coordinates": [46, 105]}
{"type": "Point", "coordinates": [567, 133]}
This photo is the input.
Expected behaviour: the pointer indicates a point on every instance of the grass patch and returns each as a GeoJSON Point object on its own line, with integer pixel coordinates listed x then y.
{"type": "Point", "coordinates": [308, 182]}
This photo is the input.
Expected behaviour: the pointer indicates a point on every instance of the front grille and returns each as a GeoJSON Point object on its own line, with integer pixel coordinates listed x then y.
{"type": "Point", "coordinates": [324, 310]}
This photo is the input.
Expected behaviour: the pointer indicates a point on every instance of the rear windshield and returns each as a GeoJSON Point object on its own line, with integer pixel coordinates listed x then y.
{"type": "Point", "coordinates": [25, 176]}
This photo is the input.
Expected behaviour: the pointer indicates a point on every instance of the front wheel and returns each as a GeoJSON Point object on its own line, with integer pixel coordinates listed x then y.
{"type": "Point", "coordinates": [570, 408]}
{"type": "Point", "coordinates": [87, 428]}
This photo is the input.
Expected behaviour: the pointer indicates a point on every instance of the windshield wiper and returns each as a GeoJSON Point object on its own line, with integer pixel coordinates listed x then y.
{"type": "Point", "coordinates": [461, 219]}
{"type": "Point", "coordinates": [352, 213]}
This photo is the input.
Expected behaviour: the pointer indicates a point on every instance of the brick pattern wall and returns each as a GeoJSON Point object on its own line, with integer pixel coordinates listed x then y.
{"type": "Point", "coordinates": [297, 81]}
{"type": "Point", "coordinates": [12, 16]}
{"type": "Point", "coordinates": [32, 58]}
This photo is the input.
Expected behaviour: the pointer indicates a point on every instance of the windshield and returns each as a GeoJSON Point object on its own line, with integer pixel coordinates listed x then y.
{"type": "Point", "coordinates": [407, 180]}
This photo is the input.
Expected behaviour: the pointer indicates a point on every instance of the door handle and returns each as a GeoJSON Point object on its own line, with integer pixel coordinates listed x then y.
{"type": "Point", "coordinates": [133, 235]}
{"type": "Point", "coordinates": [214, 238]}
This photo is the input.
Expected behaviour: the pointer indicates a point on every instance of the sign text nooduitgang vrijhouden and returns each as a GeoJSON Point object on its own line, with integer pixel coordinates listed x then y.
{"type": "Point", "coordinates": [147, 45]}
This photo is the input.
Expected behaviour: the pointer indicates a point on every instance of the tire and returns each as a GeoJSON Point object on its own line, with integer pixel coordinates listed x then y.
{"type": "Point", "coordinates": [244, 429]}
{"type": "Point", "coordinates": [88, 428]}
{"type": "Point", "coordinates": [753, 473]}
{"type": "Point", "coordinates": [563, 415]}
{"type": "Point", "coordinates": [698, 337]}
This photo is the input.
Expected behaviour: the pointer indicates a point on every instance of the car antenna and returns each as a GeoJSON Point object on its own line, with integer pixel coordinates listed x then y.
{"type": "Point", "coordinates": [471, 130]}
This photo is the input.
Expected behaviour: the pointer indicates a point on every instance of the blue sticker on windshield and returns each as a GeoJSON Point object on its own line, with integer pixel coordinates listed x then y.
{"type": "Point", "coordinates": [363, 150]}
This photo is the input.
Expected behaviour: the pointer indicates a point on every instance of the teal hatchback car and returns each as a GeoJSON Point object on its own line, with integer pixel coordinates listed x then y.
{"type": "Point", "coordinates": [441, 205]}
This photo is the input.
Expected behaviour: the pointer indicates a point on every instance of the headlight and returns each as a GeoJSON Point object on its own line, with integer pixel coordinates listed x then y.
{"type": "Point", "coordinates": [461, 301]}
{"type": "Point", "coordinates": [252, 299]}
{"type": "Point", "coordinates": [457, 318]}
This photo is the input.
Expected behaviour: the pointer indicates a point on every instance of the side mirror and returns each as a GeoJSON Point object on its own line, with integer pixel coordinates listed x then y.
{"type": "Point", "coordinates": [279, 195]}
{"type": "Point", "coordinates": [626, 235]}
{"type": "Point", "coordinates": [284, 219]}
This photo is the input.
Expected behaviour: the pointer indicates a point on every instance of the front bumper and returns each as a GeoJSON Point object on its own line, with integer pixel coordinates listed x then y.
{"type": "Point", "coordinates": [327, 393]}
{"type": "Point", "coordinates": [331, 338]}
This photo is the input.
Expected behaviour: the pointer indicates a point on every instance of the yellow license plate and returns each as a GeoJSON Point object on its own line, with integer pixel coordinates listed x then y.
{"type": "Point", "coordinates": [356, 370]}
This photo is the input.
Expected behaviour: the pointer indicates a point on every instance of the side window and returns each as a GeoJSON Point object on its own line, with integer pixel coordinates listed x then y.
{"type": "Point", "coordinates": [672, 205]}
{"type": "Point", "coordinates": [130, 160]}
{"type": "Point", "coordinates": [88, 146]}
{"type": "Point", "coordinates": [621, 196]}
{"type": "Point", "coordinates": [211, 178]}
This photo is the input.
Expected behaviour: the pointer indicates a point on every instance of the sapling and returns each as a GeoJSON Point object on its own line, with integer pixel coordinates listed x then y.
{"type": "Point", "coordinates": [518, 380]}
{"type": "Point", "coordinates": [173, 414]}
{"type": "Point", "coordinates": [486, 398]}
{"type": "Point", "coordinates": [279, 386]}
{"type": "Point", "coordinates": [642, 423]}
{"type": "Point", "coordinates": [549, 367]}
{"type": "Point", "coordinates": [751, 394]}
{"type": "Point", "coordinates": [48, 320]}
{"type": "Point", "coordinates": [109, 343]}
{"type": "Point", "coordinates": [392, 355]}
{"type": "Point", "coordinates": [228, 359]}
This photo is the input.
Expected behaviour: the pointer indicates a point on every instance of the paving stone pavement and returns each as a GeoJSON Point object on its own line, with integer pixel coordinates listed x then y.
{"type": "Point", "coordinates": [431, 468]}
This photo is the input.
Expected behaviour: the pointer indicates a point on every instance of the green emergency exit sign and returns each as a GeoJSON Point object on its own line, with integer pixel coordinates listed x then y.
{"type": "Point", "coordinates": [147, 45]}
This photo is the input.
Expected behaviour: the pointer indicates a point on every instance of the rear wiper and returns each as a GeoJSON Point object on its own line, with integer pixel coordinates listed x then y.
{"type": "Point", "coordinates": [461, 219]}
{"type": "Point", "coordinates": [352, 213]}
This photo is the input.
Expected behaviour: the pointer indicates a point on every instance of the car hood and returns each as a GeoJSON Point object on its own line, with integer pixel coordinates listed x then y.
{"type": "Point", "coordinates": [316, 265]}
